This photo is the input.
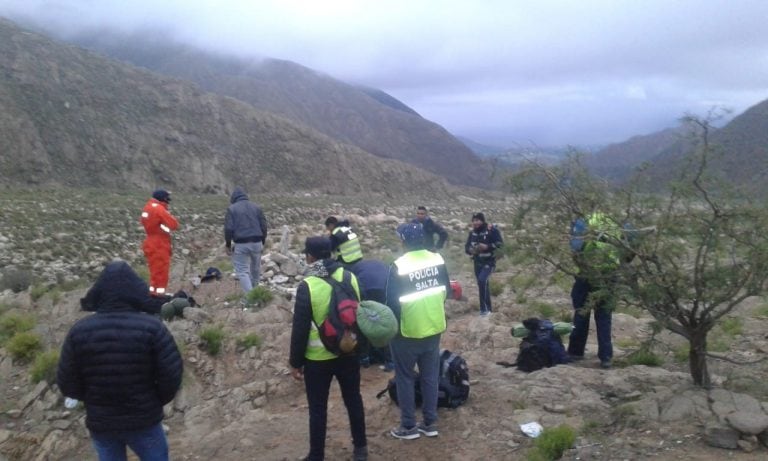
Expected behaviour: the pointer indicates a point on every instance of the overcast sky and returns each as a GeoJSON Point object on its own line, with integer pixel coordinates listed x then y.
{"type": "Point", "coordinates": [505, 72]}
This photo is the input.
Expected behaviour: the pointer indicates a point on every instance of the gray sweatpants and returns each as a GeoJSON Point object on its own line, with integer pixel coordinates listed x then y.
{"type": "Point", "coordinates": [407, 353]}
{"type": "Point", "coordinates": [246, 259]}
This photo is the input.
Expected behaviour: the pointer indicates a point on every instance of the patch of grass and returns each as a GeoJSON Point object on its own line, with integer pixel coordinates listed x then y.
{"type": "Point", "coordinates": [212, 338]}
{"type": "Point", "coordinates": [627, 343]}
{"type": "Point", "coordinates": [37, 291]}
{"type": "Point", "coordinates": [233, 297]}
{"type": "Point", "coordinates": [521, 282]}
{"type": "Point", "coordinates": [248, 341]}
{"type": "Point", "coordinates": [71, 285]}
{"type": "Point", "coordinates": [646, 357]}
{"type": "Point", "coordinates": [732, 326]}
{"type": "Point", "coordinates": [719, 343]}
{"type": "Point", "coordinates": [589, 425]}
{"type": "Point", "coordinates": [55, 295]}
{"type": "Point", "coordinates": [762, 311]}
{"type": "Point", "coordinates": [680, 353]}
{"type": "Point", "coordinates": [632, 311]}
{"type": "Point", "coordinates": [12, 323]}
{"type": "Point", "coordinates": [259, 296]}
{"type": "Point", "coordinates": [44, 367]}
{"type": "Point", "coordinates": [224, 265]}
{"type": "Point", "coordinates": [544, 310]}
{"type": "Point", "coordinates": [24, 346]}
{"type": "Point", "coordinates": [552, 443]}
{"type": "Point", "coordinates": [496, 287]}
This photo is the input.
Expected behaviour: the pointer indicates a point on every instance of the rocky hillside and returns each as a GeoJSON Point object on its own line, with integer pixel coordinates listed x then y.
{"type": "Point", "coordinates": [241, 403]}
{"type": "Point", "coordinates": [72, 117]}
{"type": "Point", "coordinates": [367, 118]}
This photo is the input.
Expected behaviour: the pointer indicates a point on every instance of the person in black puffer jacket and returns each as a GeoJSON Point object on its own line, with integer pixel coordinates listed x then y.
{"type": "Point", "coordinates": [124, 365]}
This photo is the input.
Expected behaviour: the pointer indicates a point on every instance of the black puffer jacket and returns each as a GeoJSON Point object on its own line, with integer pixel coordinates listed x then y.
{"type": "Point", "coordinates": [122, 363]}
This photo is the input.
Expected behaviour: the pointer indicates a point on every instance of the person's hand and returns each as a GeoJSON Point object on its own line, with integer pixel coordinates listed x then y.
{"type": "Point", "coordinates": [481, 248]}
{"type": "Point", "coordinates": [297, 373]}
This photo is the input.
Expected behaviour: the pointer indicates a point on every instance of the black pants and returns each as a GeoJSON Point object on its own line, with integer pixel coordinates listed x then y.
{"type": "Point", "coordinates": [317, 380]}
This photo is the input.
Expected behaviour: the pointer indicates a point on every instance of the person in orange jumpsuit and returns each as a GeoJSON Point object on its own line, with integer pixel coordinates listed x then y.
{"type": "Point", "coordinates": [158, 223]}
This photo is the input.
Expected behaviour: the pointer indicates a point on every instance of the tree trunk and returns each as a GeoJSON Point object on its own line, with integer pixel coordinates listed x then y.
{"type": "Point", "coordinates": [697, 359]}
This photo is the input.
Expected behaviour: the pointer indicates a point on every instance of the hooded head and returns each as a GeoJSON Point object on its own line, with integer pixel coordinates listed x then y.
{"type": "Point", "coordinates": [117, 287]}
{"type": "Point", "coordinates": [412, 235]}
{"type": "Point", "coordinates": [237, 195]}
{"type": "Point", "coordinates": [318, 247]}
{"type": "Point", "coordinates": [162, 195]}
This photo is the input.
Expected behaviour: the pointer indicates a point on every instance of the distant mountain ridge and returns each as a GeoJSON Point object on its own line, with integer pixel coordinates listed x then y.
{"type": "Point", "coordinates": [367, 118]}
{"type": "Point", "coordinates": [71, 117]}
{"type": "Point", "coordinates": [739, 153]}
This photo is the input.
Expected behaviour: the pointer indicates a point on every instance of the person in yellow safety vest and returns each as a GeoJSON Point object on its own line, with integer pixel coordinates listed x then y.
{"type": "Point", "coordinates": [417, 287]}
{"type": "Point", "coordinates": [344, 241]}
{"type": "Point", "coordinates": [311, 362]}
{"type": "Point", "coordinates": [597, 259]}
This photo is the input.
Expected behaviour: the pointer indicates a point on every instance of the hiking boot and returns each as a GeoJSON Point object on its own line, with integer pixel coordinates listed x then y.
{"type": "Point", "coordinates": [360, 454]}
{"type": "Point", "coordinates": [605, 364]}
{"type": "Point", "coordinates": [405, 434]}
{"type": "Point", "coordinates": [430, 430]}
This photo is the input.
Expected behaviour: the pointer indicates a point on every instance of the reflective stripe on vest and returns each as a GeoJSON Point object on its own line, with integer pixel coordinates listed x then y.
{"type": "Point", "coordinates": [350, 250]}
{"type": "Point", "coordinates": [320, 297]}
{"type": "Point", "coordinates": [422, 295]}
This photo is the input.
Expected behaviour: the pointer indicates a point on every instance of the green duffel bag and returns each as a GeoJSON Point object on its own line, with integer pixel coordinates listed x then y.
{"type": "Point", "coordinates": [561, 328]}
{"type": "Point", "coordinates": [377, 322]}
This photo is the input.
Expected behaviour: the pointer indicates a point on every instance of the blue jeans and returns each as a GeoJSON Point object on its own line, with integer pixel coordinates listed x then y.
{"type": "Point", "coordinates": [407, 352]}
{"type": "Point", "coordinates": [246, 258]}
{"type": "Point", "coordinates": [318, 375]}
{"type": "Point", "coordinates": [149, 444]}
{"type": "Point", "coordinates": [578, 339]}
{"type": "Point", "coordinates": [483, 273]}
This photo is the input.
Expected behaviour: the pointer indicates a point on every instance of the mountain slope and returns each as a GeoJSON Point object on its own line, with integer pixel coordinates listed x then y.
{"type": "Point", "coordinates": [617, 161]}
{"type": "Point", "coordinates": [368, 118]}
{"type": "Point", "coordinates": [71, 117]}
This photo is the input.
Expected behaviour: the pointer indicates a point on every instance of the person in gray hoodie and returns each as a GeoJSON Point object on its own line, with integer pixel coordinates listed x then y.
{"type": "Point", "coordinates": [245, 232]}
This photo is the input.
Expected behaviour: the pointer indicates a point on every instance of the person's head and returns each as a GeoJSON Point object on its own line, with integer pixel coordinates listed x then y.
{"type": "Point", "coordinates": [478, 220]}
{"type": "Point", "coordinates": [317, 248]}
{"type": "Point", "coordinates": [162, 195]}
{"type": "Point", "coordinates": [412, 235]}
{"type": "Point", "coordinates": [421, 214]}
{"type": "Point", "coordinates": [118, 286]}
{"type": "Point", "coordinates": [330, 223]}
{"type": "Point", "coordinates": [238, 194]}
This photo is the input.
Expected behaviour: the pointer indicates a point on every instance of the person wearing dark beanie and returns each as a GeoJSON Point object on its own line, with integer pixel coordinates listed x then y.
{"type": "Point", "coordinates": [158, 223]}
{"type": "Point", "coordinates": [483, 241]}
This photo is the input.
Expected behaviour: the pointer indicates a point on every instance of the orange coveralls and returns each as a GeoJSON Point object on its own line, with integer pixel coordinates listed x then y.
{"type": "Point", "coordinates": [158, 223]}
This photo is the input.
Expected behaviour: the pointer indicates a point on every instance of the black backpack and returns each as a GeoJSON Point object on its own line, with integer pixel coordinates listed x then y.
{"type": "Point", "coordinates": [542, 348]}
{"type": "Point", "coordinates": [452, 387]}
{"type": "Point", "coordinates": [339, 332]}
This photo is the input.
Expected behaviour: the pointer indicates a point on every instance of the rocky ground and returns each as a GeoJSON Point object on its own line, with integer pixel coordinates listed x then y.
{"type": "Point", "coordinates": [242, 403]}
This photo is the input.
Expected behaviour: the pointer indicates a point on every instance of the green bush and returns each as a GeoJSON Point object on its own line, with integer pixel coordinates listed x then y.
{"type": "Point", "coordinates": [552, 443]}
{"type": "Point", "coordinates": [16, 280]}
{"type": "Point", "coordinates": [212, 338]}
{"type": "Point", "coordinates": [248, 341]}
{"type": "Point", "coordinates": [24, 346]}
{"type": "Point", "coordinates": [496, 287]}
{"type": "Point", "coordinates": [259, 296]}
{"type": "Point", "coordinates": [732, 326]}
{"type": "Point", "coordinates": [12, 323]}
{"type": "Point", "coordinates": [37, 292]}
{"type": "Point", "coordinates": [681, 353]}
{"type": "Point", "coordinates": [646, 357]}
{"type": "Point", "coordinates": [544, 310]}
{"type": "Point", "coordinates": [44, 367]}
